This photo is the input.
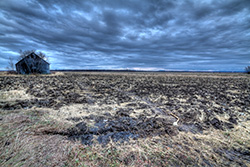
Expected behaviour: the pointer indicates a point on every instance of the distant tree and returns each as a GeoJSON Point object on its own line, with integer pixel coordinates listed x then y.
{"type": "Point", "coordinates": [247, 69]}
{"type": "Point", "coordinates": [27, 52]}
{"type": "Point", "coordinates": [24, 53]}
{"type": "Point", "coordinates": [42, 55]}
{"type": "Point", "coordinates": [10, 66]}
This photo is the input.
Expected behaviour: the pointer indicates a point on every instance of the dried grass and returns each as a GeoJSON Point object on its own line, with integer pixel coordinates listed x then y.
{"type": "Point", "coordinates": [13, 95]}
{"type": "Point", "coordinates": [21, 146]}
{"type": "Point", "coordinates": [26, 141]}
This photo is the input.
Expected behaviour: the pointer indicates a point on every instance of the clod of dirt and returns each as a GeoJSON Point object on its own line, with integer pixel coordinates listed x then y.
{"type": "Point", "coordinates": [216, 123]}
{"type": "Point", "coordinates": [233, 120]}
{"type": "Point", "coordinates": [229, 125]}
{"type": "Point", "coordinates": [123, 112]}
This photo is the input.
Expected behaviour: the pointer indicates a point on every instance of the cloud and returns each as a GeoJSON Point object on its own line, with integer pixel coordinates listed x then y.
{"type": "Point", "coordinates": [149, 34]}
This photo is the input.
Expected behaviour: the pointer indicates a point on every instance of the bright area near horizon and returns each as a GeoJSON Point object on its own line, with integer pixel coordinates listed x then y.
{"type": "Point", "coordinates": [197, 35]}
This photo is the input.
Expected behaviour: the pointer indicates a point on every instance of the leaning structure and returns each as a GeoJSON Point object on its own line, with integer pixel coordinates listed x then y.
{"type": "Point", "coordinates": [32, 63]}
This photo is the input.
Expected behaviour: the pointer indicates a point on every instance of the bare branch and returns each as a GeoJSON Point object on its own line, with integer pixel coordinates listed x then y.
{"type": "Point", "coordinates": [41, 54]}
{"type": "Point", "coordinates": [11, 66]}
{"type": "Point", "coordinates": [25, 53]}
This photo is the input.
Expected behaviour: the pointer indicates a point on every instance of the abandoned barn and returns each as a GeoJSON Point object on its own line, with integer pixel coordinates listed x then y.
{"type": "Point", "coordinates": [32, 63]}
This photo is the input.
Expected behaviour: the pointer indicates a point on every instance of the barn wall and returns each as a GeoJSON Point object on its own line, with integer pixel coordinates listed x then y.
{"type": "Point", "coordinates": [45, 68]}
{"type": "Point", "coordinates": [19, 68]}
{"type": "Point", "coordinates": [32, 65]}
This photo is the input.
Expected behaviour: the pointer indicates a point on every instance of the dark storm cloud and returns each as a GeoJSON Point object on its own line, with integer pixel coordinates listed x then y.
{"type": "Point", "coordinates": [146, 34]}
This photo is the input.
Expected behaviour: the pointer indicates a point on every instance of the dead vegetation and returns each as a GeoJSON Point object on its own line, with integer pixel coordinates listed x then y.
{"type": "Point", "coordinates": [22, 144]}
{"type": "Point", "coordinates": [125, 119]}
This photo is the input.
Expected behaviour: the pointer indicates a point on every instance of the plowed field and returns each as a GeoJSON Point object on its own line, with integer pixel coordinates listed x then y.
{"type": "Point", "coordinates": [125, 119]}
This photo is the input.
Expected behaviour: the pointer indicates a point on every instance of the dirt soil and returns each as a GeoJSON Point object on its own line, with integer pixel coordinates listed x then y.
{"type": "Point", "coordinates": [205, 115]}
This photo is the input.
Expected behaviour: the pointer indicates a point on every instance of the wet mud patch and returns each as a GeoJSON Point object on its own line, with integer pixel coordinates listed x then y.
{"type": "Point", "coordinates": [194, 128]}
{"type": "Point", "coordinates": [120, 128]}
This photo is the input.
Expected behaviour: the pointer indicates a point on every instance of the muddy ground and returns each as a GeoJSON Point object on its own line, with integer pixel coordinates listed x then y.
{"type": "Point", "coordinates": [123, 107]}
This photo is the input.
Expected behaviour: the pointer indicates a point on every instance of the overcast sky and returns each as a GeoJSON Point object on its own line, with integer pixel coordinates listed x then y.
{"type": "Point", "coordinates": [133, 34]}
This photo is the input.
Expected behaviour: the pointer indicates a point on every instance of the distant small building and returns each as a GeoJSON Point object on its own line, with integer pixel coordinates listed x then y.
{"type": "Point", "coordinates": [32, 63]}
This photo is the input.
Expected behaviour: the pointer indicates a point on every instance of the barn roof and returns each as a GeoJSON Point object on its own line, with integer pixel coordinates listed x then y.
{"type": "Point", "coordinates": [29, 55]}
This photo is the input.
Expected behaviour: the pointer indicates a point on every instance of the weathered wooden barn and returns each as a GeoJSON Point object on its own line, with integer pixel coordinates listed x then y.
{"type": "Point", "coordinates": [32, 63]}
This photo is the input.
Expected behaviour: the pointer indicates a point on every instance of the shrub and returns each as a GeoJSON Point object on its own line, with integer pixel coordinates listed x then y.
{"type": "Point", "coordinates": [11, 72]}
{"type": "Point", "coordinates": [247, 69]}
